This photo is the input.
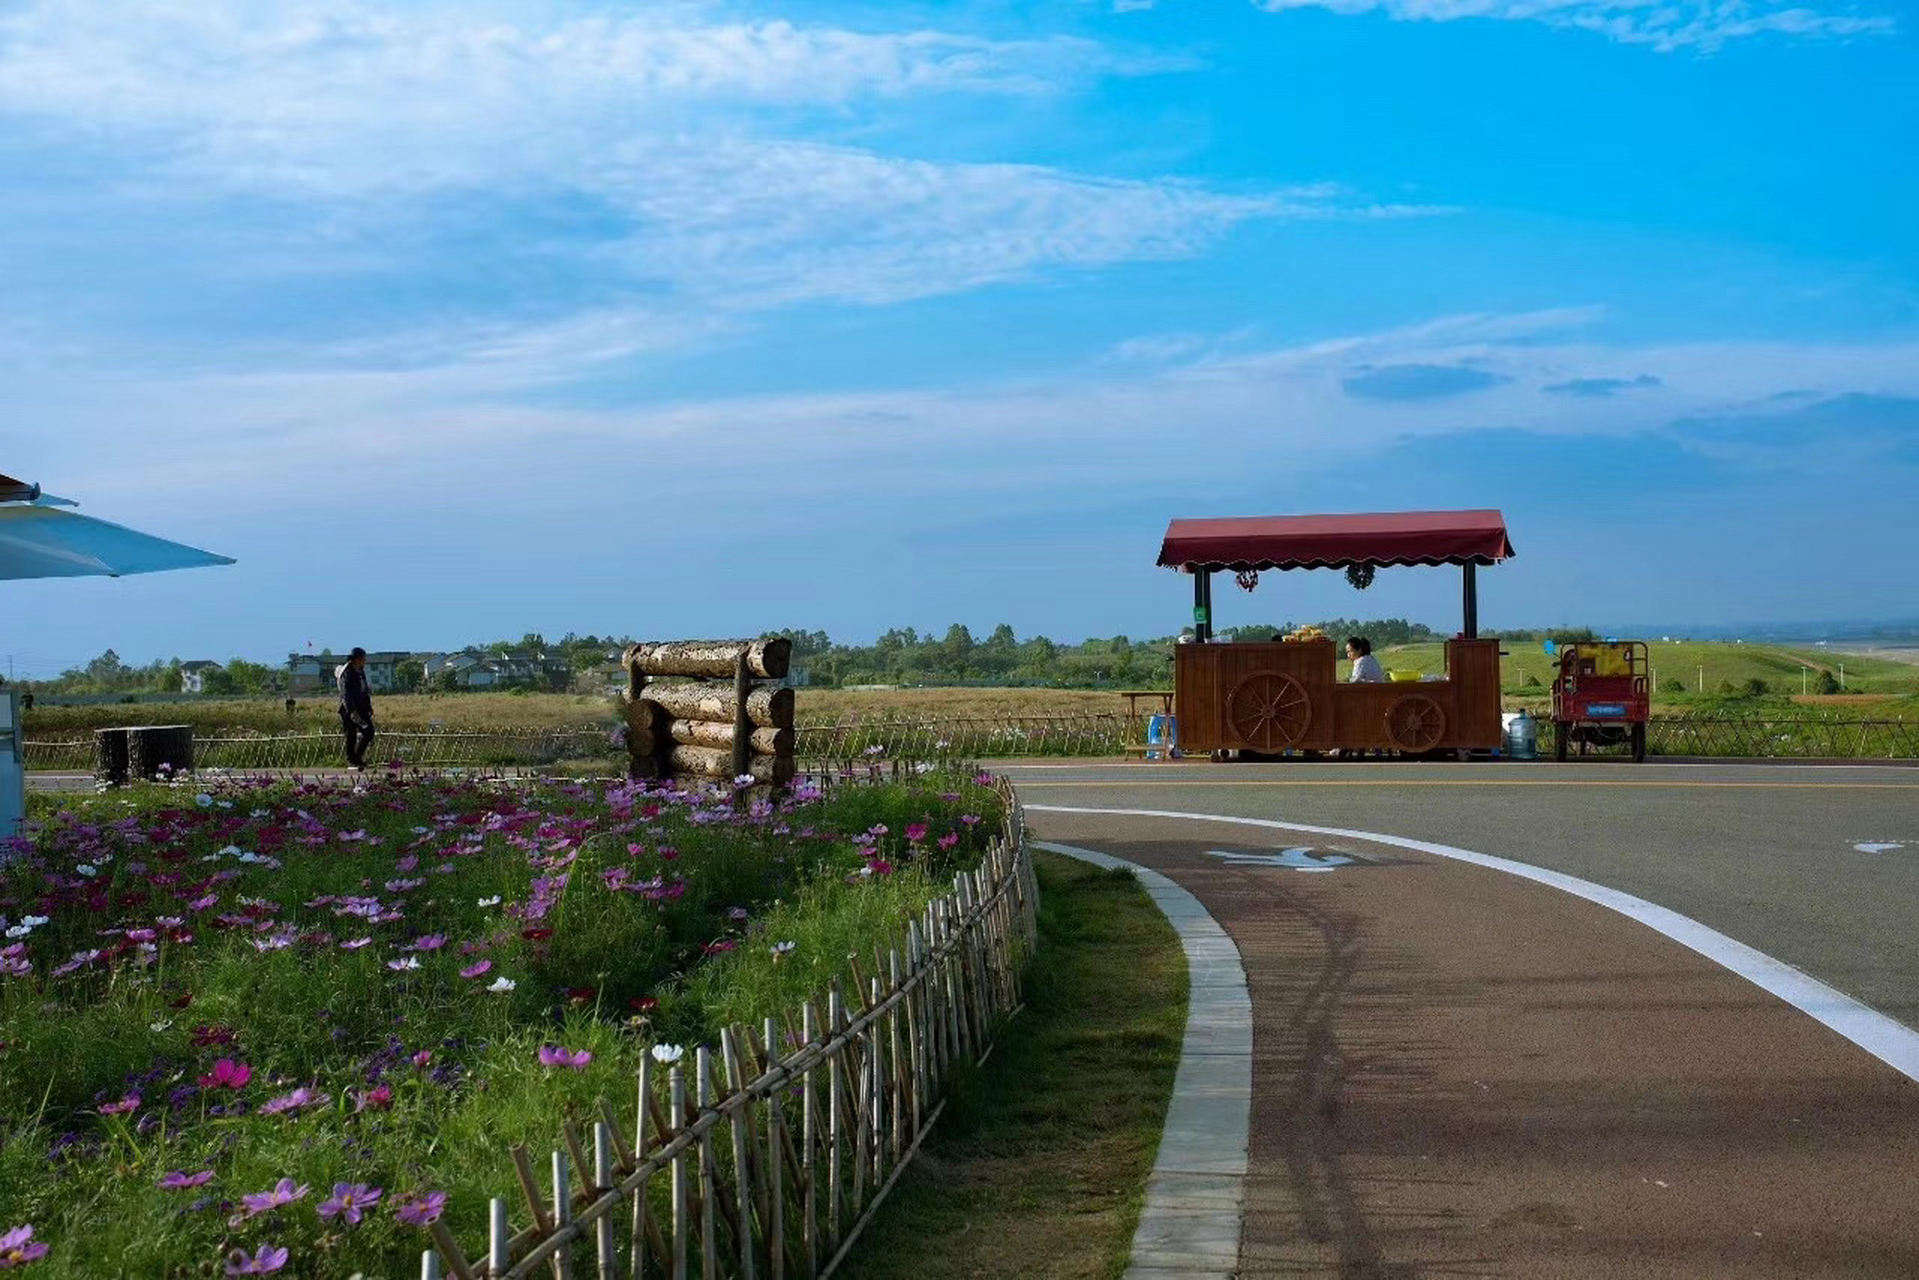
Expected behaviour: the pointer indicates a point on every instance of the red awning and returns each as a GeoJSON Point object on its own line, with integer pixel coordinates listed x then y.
{"type": "Point", "coordinates": [1333, 542]}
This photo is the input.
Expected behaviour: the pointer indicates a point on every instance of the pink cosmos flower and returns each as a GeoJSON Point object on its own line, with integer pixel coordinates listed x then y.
{"type": "Point", "coordinates": [428, 942]}
{"type": "Point", "coordinates": [354, 944]}
{"type": "Point", "coordinates": [378, 1098]}
{"type": "Point", "coordinates": [129, 1103]}
{"type": "Point", "coordinates": [18, 1247]}
{"type": "Point", "coordinates": [227, 1074]}
{"type": "Point", "coordinates": [552, 1055]}
{"type": "Point", "coordinates": [350, 1201]}
{"type": "Point", "coordinates": [715, 948]}
{"type": "Point", "coordinates": [408, 962]}
{"type": "Point", "coordinates": [916, 831]}
{"type": "Point", "coordinates": [422, 1209]}
{"type": "Point", "coordinates": [423, 1058]}
{"type": "Point", "coordinates": [179, 1181]}
{"type": "Point", "coordinates": [283, 1192]}
{"type": "Point", "coordinates": [475, 970]}
{"type": "Point", "coordinates": [947, 841]}
{"type": "Point", "coordinates": [269, 1259]}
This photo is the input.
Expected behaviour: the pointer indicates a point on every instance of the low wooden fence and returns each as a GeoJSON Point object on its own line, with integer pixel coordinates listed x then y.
{"type": "Point", "coordinates": [426, 749]}
{"type": "Point", "coordinates": [772, 1154]}
{"type": "Point", "coordinates": [850, 741]}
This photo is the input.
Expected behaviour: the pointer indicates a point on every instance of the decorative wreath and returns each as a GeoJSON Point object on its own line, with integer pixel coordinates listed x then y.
{"type": "Point", "coordinates": [1360, 575]}
{"type": "Point", "coordinates": [1247, 579]}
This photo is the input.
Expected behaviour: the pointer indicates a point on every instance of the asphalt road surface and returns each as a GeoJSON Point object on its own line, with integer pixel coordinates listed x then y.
{"type": "Point", "coordinates": [1470, 1068]}
{"type": "Point", "coordinates": [1768, 854]}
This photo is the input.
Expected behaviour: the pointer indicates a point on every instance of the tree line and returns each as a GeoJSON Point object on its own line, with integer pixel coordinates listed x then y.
{"type": "Point", "coordinates": [903, 655]}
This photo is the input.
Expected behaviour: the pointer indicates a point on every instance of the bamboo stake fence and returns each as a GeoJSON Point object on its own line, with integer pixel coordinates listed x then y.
{"type": "Point", "coordinates": [772, 1156]}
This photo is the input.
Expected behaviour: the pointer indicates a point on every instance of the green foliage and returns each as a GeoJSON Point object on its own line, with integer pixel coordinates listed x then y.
{"type": "Point", "coordinates": [1674, 686]}
{"type": "Point", "coordinates": [1827, 683]}
{"type": "Point", "coordinates": [641, 895]}
{"type": "Point", "coordinates": [1756, 688]}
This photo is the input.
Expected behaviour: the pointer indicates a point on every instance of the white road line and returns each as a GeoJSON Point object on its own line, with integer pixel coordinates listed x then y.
{"type": "Point", "coordinates": [1886, 1039]}
{"type": "Point", "coordinates": [1189, 1227]}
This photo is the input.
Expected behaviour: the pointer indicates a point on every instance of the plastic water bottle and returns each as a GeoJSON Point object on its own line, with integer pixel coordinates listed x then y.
{"type": "Point", "coordinates": [1522, 737]}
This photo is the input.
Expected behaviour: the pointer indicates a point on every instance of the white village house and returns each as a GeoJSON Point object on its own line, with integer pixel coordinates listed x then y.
{"type": "Point", "coordinates": [193, 675]}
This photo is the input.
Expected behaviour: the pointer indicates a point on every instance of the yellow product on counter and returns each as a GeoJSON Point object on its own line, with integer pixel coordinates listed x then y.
{"type": "Point", "coordinates": [1403, 677]}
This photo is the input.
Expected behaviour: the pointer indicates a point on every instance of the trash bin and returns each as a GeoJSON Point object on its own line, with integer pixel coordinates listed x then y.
{"type": "Point", "coordinates": [1162, 731]}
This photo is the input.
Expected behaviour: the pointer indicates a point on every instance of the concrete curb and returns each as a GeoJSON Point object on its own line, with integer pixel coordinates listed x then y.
{"type": "Point", "coordinates": [1196, 1193]}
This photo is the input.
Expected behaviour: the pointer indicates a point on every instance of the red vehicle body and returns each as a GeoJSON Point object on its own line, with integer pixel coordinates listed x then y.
{"type": "Point", "coordinates": [1602, 696]}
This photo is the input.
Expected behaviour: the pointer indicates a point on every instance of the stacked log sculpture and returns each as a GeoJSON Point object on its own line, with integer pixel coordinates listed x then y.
{"type": "Point", "coordinates": [714, 720]}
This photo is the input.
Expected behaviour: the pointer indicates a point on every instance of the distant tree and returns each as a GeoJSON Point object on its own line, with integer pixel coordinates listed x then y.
{"type": "Point", "coordinates": [1757, 688]}
{"type": "Point", "coordinates": [1826, 683]}
{"type": "Point", "coordinates": [1674, 686]}
{"type": "Point", "coordinates": [409, 676]}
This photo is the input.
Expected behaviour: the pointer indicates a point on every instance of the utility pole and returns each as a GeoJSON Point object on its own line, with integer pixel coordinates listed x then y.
{"type": "Point", "coordinates": [1702, 678]}
{"type": "Point", "coordinates": [1842, 677]}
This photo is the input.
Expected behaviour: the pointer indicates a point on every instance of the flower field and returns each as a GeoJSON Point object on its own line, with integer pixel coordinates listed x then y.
{"type": "Point", "coordinates": [273, 1029]}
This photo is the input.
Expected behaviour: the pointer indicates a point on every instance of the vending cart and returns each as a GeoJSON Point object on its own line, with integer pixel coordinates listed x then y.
{"type": "Point", "coordinates": [1286, 696]}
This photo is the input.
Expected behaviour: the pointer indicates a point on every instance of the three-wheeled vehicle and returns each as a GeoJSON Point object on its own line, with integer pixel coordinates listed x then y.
{"type": "Point", "coordinates": [1602, 696]}
{"type": "Point", "coordinates": [1284, 696]}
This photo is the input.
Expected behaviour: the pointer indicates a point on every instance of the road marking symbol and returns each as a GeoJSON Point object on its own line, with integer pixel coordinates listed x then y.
{"type": "Point", "coordinates": [1285, 859]}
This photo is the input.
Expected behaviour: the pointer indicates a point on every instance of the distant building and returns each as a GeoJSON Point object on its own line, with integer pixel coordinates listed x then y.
{"type": "Point", "coordinates": [310, 673]}
{"type": "Point", "coordinates": [193, 675]}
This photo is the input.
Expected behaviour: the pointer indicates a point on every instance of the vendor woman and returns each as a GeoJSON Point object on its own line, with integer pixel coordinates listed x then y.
{"type": "Point", "coordinates": [1365, 665]}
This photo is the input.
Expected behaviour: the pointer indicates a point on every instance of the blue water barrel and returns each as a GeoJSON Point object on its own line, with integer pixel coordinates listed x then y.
{"type": "Point", "coordinates": [1162, 730]}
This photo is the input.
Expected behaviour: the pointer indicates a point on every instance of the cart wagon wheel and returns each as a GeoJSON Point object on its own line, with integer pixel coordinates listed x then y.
{"type": "Point", "coordinates": [1639, 744]}
{"type": "Point", "coordinates": [1562, 739]}
{"type": "Point", "coordinates": [1415, 723]}
{"type": "Point", "coordinates": [1269, 710]}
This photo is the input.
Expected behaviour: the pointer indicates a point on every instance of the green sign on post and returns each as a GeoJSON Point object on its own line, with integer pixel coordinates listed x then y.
{"type": "Point", "coordinates": [1199, 614]}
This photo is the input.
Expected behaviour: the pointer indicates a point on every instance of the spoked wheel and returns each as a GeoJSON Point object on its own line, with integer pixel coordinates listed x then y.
{"type": "Point", "coordinates": [1269, 710]}
{"type": "Point", "coordinates": [1415, 723]}
{"type": "Point", "coordinates": [1562, 739]}
{"type": "Point", "coordinates": [1639, 744]}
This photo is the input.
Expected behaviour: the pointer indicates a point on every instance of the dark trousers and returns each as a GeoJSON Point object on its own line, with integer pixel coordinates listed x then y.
{"type": "Point", "coordinates": [357, 738]}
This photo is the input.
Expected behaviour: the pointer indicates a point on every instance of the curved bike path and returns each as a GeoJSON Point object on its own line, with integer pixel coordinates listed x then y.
{"type": "Point", "coordinates": [1461, 1072]}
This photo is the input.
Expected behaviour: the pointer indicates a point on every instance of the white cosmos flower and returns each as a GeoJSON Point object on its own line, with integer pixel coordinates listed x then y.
{"type": "Point", "coordinates": [666, 1054]}
{"type": "Point", "coordinates": [503, 984]}
{"type": "Point", "coordinates": [493, 901]}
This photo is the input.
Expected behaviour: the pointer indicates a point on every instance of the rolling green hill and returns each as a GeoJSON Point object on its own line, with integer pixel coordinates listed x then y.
{"type": "Point", "coordinates": [1719, 661]}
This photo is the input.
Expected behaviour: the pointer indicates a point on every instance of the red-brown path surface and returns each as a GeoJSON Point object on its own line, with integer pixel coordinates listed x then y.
{"type": "Point", "coordinates": [1458, 1072]}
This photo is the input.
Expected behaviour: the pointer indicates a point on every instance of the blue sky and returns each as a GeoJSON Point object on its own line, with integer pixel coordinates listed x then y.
{"type": "Point", "coordinates": [458, 320]}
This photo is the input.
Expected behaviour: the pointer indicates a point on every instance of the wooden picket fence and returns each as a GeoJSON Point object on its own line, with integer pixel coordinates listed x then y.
{"type": "Point", "coordinates": [763, 1163]}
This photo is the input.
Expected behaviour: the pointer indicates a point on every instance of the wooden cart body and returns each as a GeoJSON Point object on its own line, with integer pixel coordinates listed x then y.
{"type": "Point", "coordinates": [1288, 696]}
{"type": "Point", "coordinates": [1278, 696]}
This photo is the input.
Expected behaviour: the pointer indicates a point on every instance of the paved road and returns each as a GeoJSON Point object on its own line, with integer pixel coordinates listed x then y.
{"type": "Point", "coordinates": [1466, 1071]}
{"type": "Point", "coordinates": [1764, 853]}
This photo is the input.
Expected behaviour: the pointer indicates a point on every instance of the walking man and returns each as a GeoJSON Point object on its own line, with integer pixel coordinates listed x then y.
{"type": "Point", "coordinates": [356, 708]}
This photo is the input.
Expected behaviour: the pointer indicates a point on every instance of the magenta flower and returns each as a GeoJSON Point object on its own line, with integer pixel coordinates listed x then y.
{"type": "Point", "coordinates": [268, 1259]}
{"type": "Point", "coordinates": [947, 841]}
{"type": "Point", "coordinates": [178, 1181]}
{"type": "Point", "coordinates": [354, 944]}
{"type": "Point", "coordinates": [916, 831]}
{"type": "Point", "coordinates": [283, 1192]}
{"type": "Point", "coordinates": [552, 1055]}
{"type": "Point", "coordinates": [18, 1247]}
{"type": "Point", "coordinates": [422, 1209]}
{"type": "Point", "coordinates": [429, 942]}
{"type": "Point", "coordinates": [715, 948]}
{"type": "Point", "coordinates": [475, 970]}
{"type": "Point", "coordinates": [378, 1098]}
{"type": "Point", "coordinates": [227, 1074]}
{"type": "Point", "coordinates": [350, 1201]}
{"type": "Point", "coordinates": [129, 1103]}
{"type": "Point", "coordinates": [299, 1098]}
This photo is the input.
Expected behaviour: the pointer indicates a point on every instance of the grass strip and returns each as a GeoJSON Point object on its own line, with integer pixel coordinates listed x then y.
{"type": "Point", "coordinates": [1038, 1166]}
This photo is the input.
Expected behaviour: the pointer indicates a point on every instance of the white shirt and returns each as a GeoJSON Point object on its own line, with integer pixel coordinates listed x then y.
{"type": "Point", "coordinates": [1366, 670]}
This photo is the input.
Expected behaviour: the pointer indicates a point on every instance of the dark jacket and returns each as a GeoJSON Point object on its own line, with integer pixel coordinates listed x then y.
{"type": "Point", "coordinates": [355, 697]}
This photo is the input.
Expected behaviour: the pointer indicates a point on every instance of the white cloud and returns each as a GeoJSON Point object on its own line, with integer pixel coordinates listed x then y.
{"type": "Point", "coordinates": [1666, 25]}
{"type": "Point", "coordinates": [699, 156]}
{"type": "Point", "coordinates": [440, 433]}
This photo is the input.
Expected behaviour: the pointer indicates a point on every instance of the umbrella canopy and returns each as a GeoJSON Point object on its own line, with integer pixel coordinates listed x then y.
{"type": "Point", "coordinates": [40, 541]}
